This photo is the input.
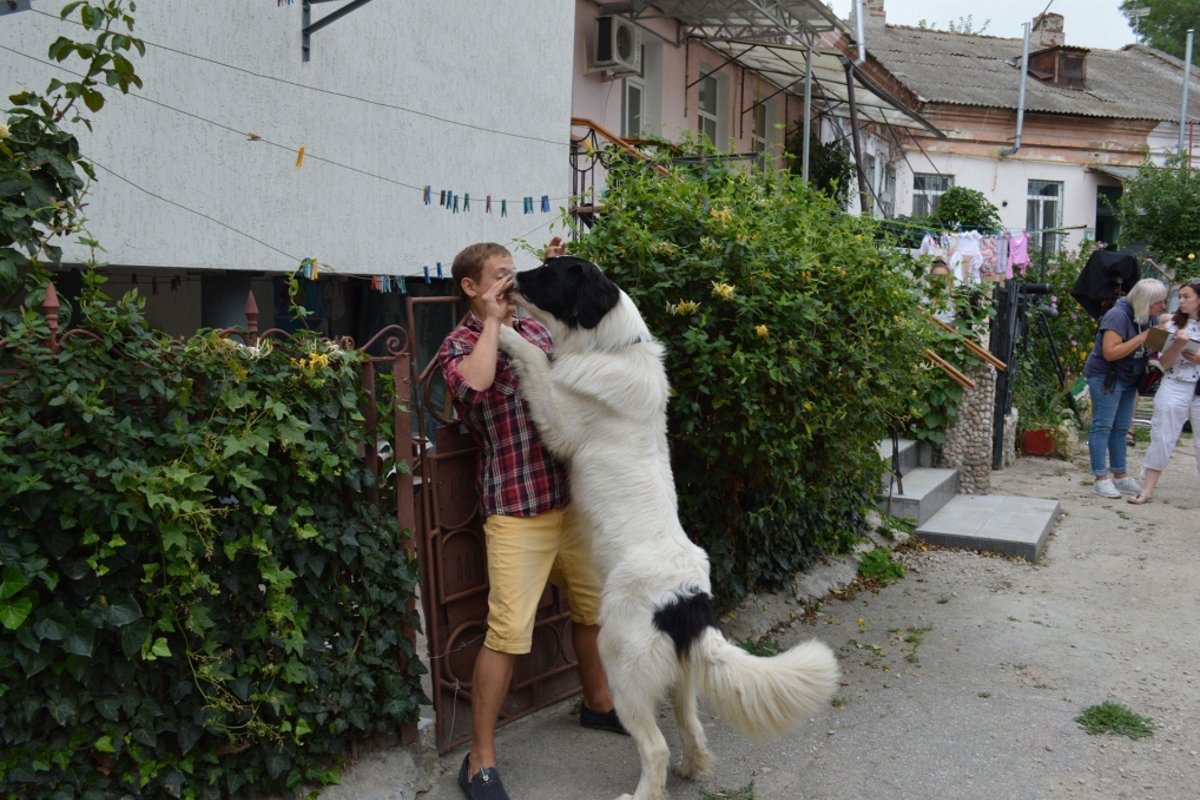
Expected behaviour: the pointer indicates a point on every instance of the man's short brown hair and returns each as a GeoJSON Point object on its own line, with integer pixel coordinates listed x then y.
{"type": "Point", "coordinates": [470, 260]}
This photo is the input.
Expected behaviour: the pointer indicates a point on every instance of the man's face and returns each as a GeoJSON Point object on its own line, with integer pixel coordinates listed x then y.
{"type": "Point", "coordinates": [495, 269]}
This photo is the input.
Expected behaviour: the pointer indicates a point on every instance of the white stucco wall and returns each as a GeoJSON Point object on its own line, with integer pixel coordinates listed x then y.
{"type": "Point", "coordinates": [415, 93]}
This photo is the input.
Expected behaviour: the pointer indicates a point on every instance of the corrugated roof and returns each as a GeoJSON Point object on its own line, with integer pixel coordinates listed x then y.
{"type": "Point", "coordinates": [1136, 82]}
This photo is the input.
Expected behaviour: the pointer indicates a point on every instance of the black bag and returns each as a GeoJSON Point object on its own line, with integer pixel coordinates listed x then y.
{"type": "Point", "coordinates": [1148, 383]}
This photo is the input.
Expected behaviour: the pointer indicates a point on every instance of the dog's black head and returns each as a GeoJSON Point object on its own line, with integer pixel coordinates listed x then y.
{"type": "Point", "coordinates": [572, 290]}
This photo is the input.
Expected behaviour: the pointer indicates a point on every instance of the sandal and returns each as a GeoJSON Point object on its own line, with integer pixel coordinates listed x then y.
{"type": "Point", "coordinates": [1130, 439]}
{"type": "Point", "coordinates": [1140, 499]}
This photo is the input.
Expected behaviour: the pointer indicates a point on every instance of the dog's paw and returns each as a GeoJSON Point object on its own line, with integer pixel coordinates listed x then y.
{"type": "Point", "coordinates": [693, 765]}
{"type": "Point", "coordinates": [510, 341]}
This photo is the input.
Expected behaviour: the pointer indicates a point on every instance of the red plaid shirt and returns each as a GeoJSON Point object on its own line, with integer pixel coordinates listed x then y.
{"type": "Point", "coordinates": [516, 475]}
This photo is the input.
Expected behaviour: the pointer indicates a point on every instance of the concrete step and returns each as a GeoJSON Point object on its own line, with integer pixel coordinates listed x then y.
{"type": "Point", "coordinates": [911, 454]}
{"type": "Point", "coordinates": [1016, 526]}
{"type": "Point", "coordinates": [926, 490]}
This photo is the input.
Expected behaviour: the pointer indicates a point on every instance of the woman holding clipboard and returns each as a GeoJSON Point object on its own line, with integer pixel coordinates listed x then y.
{"type": "Point", "coordinates": [1176, 399]}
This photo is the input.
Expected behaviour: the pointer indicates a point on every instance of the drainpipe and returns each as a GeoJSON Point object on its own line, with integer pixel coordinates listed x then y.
{"type": "Point", "coordinates": [859, 35]}
{"type": "Point", "coordinates": [1187, 82]}
{"type": "Point", "coordinates": [808, 77]}
{"type": "Point", "coordinates": [1008, 151]}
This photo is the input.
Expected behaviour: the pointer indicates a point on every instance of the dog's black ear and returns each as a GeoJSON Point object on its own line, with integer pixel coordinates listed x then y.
{"type": "Point", "coordinates": [597, 295]}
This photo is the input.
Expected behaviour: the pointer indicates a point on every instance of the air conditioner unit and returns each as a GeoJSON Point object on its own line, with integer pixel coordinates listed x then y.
{"type": "Point", "coordinates": [618, 45]}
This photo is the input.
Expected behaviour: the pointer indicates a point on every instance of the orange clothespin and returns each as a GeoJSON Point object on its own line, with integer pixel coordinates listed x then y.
{"type": "Point", "coordinates": [300, 157]}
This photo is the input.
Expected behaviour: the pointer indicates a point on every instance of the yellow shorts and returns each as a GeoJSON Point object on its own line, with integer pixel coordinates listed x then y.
{"type": "Point", "coordinates": [523, 553]}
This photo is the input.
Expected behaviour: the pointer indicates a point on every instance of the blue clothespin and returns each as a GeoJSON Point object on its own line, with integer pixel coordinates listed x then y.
{"type": "Point", "coordinates": [439, 270]}
{"type": "Point", "coordinates": [442, 198]}
{"type": "Point", "coordinates": [427, 195]}
{"type": "Point", "coordinates": [427, 274]}
{"type": "Point", "coordinates": [504, 208]}
{"type": "Point", "coordinates": [403, 285]}
{"type": "Point", "coordinates": [545, 202]}
{"type": "Point", "coordinates": [466, 202]}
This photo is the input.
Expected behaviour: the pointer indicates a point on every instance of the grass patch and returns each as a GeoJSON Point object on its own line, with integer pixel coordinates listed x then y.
{"type": "Point", "coordinates": [744, 793]}
{"type": "Point", "coordinates": [1113, 718]}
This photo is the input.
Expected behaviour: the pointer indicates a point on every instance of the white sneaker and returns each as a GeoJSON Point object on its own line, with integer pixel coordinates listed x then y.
{"type": "Point", "coordinates": [1127, 486]}
{"type": "Point", "coordinates": [1105, 488]}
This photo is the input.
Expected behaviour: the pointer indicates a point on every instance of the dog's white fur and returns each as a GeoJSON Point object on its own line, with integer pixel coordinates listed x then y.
{"type": "Point", "coordinates": [601, 407]}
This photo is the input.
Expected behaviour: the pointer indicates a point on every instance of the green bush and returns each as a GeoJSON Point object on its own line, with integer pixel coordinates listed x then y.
{"type": "Point", "coordinates": [793, 346]}
{"type": "Point", "coordinates": [195, 598]}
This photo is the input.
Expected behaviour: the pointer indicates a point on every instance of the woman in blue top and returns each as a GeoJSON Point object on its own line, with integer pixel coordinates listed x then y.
{"type": "Point", "coordinates": [1113, 368]}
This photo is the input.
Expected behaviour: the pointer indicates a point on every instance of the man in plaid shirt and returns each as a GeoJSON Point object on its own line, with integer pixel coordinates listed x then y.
{"type": "Point", "coordinates": [531, 533]}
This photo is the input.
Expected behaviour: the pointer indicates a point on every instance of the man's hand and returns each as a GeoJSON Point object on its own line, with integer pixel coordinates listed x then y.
{"type": "Point", "coordinates": [497, 301]}
{"type": "Point", "coordinates": [556, 248]}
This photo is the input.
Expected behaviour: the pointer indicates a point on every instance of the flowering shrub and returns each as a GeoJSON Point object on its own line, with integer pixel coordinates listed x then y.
{"type": "Point", "coordinates": [794, 344]}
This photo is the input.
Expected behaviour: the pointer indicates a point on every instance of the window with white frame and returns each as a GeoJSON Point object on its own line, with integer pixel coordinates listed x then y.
{"type": "Point", "coordinates": [887, 195]}
{"type": "Point", "coordinates": [707, 106]}
{"type": "Point", "coordinates": [759, 133]}
{"type": "Point", "coordinates": [928, 190]}
{"type": "Point", "coordinates": [1043, 209]}
{"type": "Point", "coordinates": [633, 111]}
{"type": "Point", "coordinates": [869, 174]}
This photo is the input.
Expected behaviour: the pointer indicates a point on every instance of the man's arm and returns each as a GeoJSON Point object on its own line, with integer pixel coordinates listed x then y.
{"type": "Point", "coordinates": [479, 368]}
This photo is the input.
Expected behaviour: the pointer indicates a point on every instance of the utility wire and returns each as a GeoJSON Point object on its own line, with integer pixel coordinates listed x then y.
{"type": "Point", "coordinates": [369, 101]}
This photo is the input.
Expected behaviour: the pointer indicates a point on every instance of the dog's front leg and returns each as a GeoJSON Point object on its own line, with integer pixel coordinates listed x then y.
{"type": "Point", "coordinates": [537, 387]}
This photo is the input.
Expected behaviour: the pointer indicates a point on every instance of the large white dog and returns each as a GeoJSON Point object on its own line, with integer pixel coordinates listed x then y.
{"type": "Point", "coordinates": [600, 404]}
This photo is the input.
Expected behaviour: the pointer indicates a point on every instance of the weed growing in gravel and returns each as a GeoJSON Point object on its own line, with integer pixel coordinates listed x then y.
{"type": "Point", "coordinates": [744, 793]}
{"type": "Point", "coordinates": [878, 565]}
{"type": "Point", "coordinates": [762, 647]}
{"type": "Point", "coordinates": [1113, 718]}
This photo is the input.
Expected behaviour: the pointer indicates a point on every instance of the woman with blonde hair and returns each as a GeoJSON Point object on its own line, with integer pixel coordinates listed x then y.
{"type": "Point", "coordinates": [1113, 369]}
{"type": "Point", "coordinates": [1176, 399]}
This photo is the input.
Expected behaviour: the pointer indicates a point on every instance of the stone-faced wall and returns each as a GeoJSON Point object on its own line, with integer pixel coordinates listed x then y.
{"type": "Point", "coordinates": [968, 446]}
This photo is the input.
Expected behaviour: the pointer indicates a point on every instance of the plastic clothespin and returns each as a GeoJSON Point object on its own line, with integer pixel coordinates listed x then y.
{"type": "Point", "coordinates": [466, 202]}
{"type": "Point", "coordinates": [442, 198]}
{"type": "Point", "coordinates": [300, 157]}
{"type": "Point", "coordinates": [504, 208]}
{"type": "Point", "coordinates": [427, 274]}
{"type": "Point", "coordinates": [455, 204]}
{"type": "Point", "coordinates": [487, 205]}
{"type": "Point", "coordinates": [427, 195]}
{"type": "Point", "coordinates": [403, 285]}
{"type": "Point", "coordinates": [545, 203]}
{"type": "Point", "coordinates": [439, 270]}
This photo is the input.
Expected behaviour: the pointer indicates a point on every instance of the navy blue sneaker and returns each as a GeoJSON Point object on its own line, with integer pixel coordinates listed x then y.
{"type": "Point", "coordinates": [601, 720]}
{"type": "Point", "coordinates": [486, 785]}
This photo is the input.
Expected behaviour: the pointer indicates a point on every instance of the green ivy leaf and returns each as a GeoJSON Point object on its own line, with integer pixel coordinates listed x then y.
{"type": "Point", "coordinates": [12, 580]}
{"type": "Point", "coordinates": [14, 611]}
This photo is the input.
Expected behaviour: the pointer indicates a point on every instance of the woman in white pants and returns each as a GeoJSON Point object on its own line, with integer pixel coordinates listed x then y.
{"type": "Point", "coordinates": [1176, 399]}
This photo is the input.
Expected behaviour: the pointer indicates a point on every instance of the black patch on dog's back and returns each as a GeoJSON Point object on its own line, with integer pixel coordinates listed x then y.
{"type": "Point", "coordinates": [573, 290]}
{"type": "Point", "coordinates": [685, 618]}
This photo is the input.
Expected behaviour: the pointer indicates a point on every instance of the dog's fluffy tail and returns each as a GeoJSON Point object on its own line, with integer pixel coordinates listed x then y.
{"type": "Point", "coordinates": [764, 697]}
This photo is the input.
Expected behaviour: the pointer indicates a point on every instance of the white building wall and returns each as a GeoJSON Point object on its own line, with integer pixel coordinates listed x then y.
{"type": "Point", "coordinates": [459, 95]}
{"type": "Point", "coordinates": [1005, 182]}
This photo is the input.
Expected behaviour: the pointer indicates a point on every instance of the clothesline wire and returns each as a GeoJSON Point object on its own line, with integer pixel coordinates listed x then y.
{"type": "Point", "coordinates": [254, 137]}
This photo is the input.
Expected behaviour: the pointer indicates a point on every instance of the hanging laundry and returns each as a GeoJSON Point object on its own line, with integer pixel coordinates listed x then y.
{"type": "Point", "coordinates": [967, 258]}
{"type": "Point", "coordinates": [1018, 252]}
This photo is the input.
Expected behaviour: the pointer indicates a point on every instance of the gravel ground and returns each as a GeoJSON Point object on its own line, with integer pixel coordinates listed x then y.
{"type": "Point", "coordinates": [961, 680]}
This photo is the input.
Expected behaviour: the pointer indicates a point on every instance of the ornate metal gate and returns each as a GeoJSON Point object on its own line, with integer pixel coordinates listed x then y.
{"type": "Point", "coordinates": [450, 545]}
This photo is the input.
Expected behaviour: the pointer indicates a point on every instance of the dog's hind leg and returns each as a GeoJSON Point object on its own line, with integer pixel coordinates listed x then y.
{"type": "Point", "coordinates": [696, 757]}
{"type": "Point", "coordinates": [637, 714]}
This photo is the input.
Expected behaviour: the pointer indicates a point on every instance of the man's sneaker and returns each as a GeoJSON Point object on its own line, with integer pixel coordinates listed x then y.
{"type": "Point", "coordinates": [486, 785]}
{"type": "Point", "coordinates": [1127, 486]}
{"type": "Point", "coordinates": [601, 720]}
{"type": "Point", "coordinates": [1105, 488]}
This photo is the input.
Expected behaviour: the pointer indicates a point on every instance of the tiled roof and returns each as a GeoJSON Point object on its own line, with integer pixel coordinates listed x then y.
{"type": "Point", "coordinates": [1136, 82]}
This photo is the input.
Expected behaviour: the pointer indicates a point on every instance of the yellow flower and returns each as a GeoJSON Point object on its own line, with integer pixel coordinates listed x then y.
{"type": "Point", "coordinates": [722, 214]}
{"type": "Point", "coordinates": [1191, 256]}
{"type": "Point", "coordinates": [721, 290]}
{"type": "Point", "coordinates": [761, 330]}
{"type": "Point", "coordinates": [3, 131]}
{"type": "Point", "coordinates": [683, 308]}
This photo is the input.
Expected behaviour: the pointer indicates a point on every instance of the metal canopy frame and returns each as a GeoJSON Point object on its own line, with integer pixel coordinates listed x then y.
{"type": "Point", "coordinates": [782, 21]}
{"type": "Point", "coordinates": [785, 65]}
{"type": "Point", "coordinates": [309, 27]}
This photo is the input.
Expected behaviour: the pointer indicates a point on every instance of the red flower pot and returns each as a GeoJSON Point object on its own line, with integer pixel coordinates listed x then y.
{"type": "Point", "coordinates": [1037, 442]}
